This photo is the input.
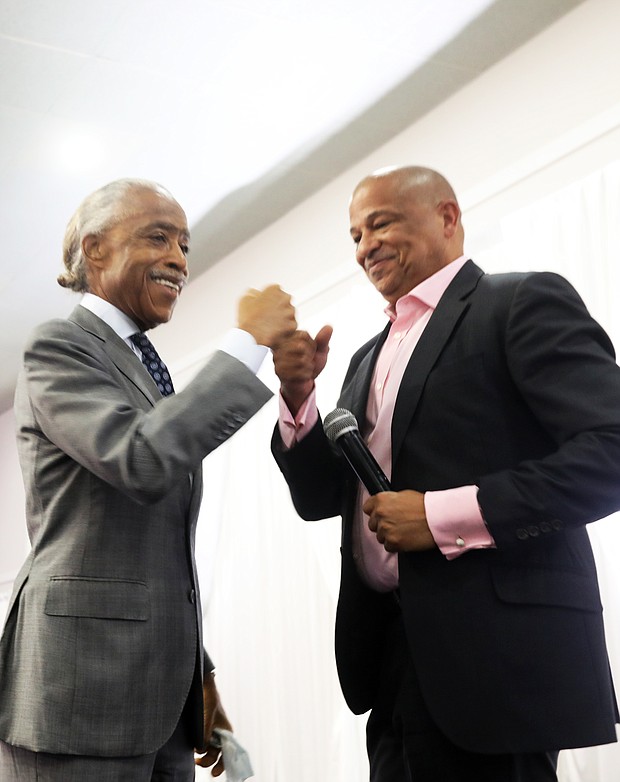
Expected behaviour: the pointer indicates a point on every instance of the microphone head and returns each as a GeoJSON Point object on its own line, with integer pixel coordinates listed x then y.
{"type": "Point", "coordinates": [339, 422]}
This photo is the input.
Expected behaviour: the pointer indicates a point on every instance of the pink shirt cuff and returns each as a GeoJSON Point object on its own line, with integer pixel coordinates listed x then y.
{"type": "Point", "coordinates": [292, 430]}
{"type": "Point", "coordinates": [455, 521]}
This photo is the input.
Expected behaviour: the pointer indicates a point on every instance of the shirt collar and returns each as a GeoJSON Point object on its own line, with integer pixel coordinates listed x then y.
{"type": "Point", "coordinates": [115, 318]}
{"type": "Point", "coordinates": [430, 290]}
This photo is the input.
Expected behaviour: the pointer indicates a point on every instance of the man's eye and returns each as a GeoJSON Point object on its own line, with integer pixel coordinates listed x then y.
{"type": "Point", "coordinates": [160, 238]}
{"type": "Point", "coordinates": [184, 248]}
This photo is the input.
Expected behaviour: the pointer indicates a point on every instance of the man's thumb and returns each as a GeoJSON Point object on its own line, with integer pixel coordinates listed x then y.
{"type": "Point", "coordinates": [322, 338]}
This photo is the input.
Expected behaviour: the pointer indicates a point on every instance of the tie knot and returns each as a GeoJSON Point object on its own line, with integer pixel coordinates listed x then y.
{"type": "Point", "coordinates": [141, 340]}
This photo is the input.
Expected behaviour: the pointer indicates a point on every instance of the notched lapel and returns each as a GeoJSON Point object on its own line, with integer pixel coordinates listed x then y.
{"type": "Point", "coordinates": [130, 365]}
{"type": "Point", "coordinates": [355, 398]}
{"type": "Point", "coordinates": [119, 353]}
{"type": "Point", "coordinates": [451, 308]}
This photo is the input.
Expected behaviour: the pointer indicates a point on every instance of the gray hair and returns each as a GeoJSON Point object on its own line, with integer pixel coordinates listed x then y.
{"type": "Point", "coordinates": [97, 213]}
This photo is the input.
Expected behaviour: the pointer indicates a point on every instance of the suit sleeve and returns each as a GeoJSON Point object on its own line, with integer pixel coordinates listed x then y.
{"type": "Point", "coordinates": [314, 474]}
{"type": "Point", "coordinates": [318, 477]}
{"type": "Point", "coordinates": [563, 365]}
{"type": "Point", "coordinates": [81, 402]}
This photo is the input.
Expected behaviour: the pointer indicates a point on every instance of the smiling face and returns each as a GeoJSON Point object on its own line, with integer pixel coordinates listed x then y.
{"type": "Point", "coordinates": [405, 228]}
{"type": "Point", "coordinates": [139, 264]}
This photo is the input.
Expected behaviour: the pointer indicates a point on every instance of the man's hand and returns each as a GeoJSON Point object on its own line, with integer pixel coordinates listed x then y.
{"type": "Point", "coordinates": [399, 521]}
{"type": "Point", "coordinates": [214, 717]}
{"type": "Point", "coordinates": [298, 361]}
{"type": "Point", "coordinates": [267, 315]}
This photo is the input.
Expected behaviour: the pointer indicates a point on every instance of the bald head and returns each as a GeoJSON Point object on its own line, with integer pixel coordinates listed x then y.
{"type": "Point", "coordinates": [423, 183]}
{"type": "Point", "coordinates": [406, 224]}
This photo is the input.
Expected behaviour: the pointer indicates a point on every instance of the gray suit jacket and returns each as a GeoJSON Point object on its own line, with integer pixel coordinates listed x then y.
{"type": "Point", "coordinates": [103, 631]}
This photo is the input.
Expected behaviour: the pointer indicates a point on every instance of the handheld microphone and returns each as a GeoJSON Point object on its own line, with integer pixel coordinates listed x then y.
{"type": "Point", "coordinates": [341, 428]}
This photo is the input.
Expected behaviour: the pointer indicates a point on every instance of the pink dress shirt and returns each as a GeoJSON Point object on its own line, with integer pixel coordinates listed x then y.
{"type": "Point", "coordinates": [453, 515]}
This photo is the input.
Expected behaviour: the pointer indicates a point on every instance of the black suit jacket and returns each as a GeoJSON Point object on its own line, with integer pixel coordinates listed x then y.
{"type": "Point", "coordinates": [514, 388]}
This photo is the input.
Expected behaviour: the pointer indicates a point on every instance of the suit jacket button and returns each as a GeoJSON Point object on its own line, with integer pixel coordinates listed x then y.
{"type": "Point", "coordinates": [533, 531]}
{"type": "Point", "coordinates": [522, 534]}
{"type": "Point", "coordinates": [192, 596]}
{"type": "Point", "coordinates": [545, 527]}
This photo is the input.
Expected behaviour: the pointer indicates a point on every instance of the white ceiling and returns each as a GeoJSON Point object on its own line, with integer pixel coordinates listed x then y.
{"type": "Point", "coordinates": [241, 108]}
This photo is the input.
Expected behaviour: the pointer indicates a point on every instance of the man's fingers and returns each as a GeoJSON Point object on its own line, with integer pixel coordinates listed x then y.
{"type": "Point", "coordinates": [209, 757]}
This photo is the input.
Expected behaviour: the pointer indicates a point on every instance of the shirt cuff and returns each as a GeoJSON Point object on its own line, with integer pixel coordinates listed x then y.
{"type": "Point", "coordinates": [241, 345]}
{"type": "Point", "coordinates": [455, 521]}
{"type": "Point", "coordinates": [292, 430]}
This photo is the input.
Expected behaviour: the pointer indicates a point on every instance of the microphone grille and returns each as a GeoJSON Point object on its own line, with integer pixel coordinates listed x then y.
{"type": "Point", "coordinates": [338, 422]}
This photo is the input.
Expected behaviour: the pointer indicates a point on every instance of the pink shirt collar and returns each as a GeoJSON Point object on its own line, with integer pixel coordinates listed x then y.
{"type": "Point", "coordinates": [430, 290]}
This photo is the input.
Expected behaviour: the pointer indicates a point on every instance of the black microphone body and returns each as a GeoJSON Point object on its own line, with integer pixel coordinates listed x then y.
{"type": "Point", "coordinates": [341, 428]}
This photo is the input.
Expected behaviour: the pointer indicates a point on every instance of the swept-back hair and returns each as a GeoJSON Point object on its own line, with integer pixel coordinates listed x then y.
{"type": "Point", "coordinates": [96, 214]}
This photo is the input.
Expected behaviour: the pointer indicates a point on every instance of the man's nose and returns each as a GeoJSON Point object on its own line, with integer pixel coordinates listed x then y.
{"type": "Point", "coordinates": [178, 259]}
{"type": "Point", "coordinates": [365, 247]}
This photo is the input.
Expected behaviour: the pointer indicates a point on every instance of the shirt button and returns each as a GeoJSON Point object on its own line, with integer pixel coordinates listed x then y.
{"type": "Point", "coordinates": [379, 386]}
{"type": "Point", "coordinates": [397, 335]}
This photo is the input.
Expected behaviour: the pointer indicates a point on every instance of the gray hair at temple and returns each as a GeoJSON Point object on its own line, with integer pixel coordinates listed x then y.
{"type": "Point", "coordinates": [96, 214]}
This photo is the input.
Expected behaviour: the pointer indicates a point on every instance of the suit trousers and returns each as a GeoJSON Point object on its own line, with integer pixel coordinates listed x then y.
{"type": "Point", "coordinates": [174, 762]}
{"type": "Point", "coordinates": [405, 745]}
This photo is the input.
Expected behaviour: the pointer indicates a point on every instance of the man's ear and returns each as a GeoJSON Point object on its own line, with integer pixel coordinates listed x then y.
{"type": "Point", "coordinates": [451, 213]}
{"type": "Point", "coordinates": [93, 249]}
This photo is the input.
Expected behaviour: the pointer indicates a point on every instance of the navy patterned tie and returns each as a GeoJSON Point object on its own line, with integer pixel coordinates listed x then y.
{"type": "Point", "coordinates": [155, 366]}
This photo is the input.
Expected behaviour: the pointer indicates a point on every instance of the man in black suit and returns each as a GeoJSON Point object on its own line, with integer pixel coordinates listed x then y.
{"type": "Point", "coordinates": [469, 619]}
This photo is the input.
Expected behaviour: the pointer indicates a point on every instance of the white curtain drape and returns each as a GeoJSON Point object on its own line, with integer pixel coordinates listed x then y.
{"type": "Point", "coordinates": [270, 580]}
{"type": "Point", "coordinates": [270, 585]}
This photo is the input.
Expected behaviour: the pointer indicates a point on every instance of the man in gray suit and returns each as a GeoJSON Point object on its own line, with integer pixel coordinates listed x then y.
{"type": "Point", "coordinates": [103, 674]}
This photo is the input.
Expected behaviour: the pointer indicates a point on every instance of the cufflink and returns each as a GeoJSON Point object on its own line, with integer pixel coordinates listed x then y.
{"type": "Point", "coordinates": [460, 542]}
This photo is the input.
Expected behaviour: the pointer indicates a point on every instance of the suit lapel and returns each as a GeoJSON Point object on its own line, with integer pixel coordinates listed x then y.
{"type": "Point", "coordinates": [451, 308]}
{"type": "Point", "coordinates": [131, 367]}
{"type": "Point", "coordinates": [356, 397]}
{"type": "Point", "coordinates": [118, 351]}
